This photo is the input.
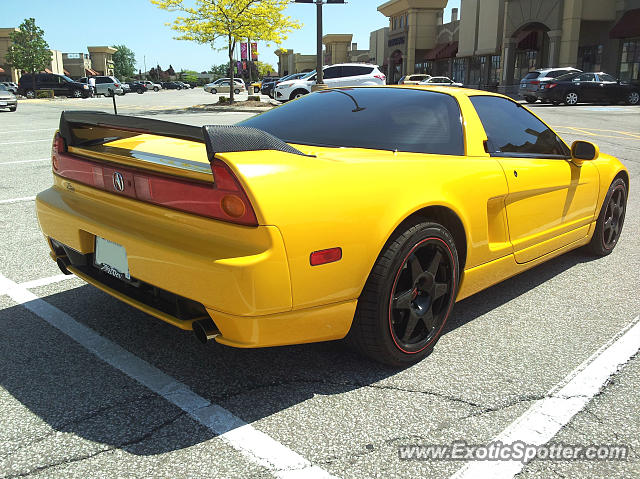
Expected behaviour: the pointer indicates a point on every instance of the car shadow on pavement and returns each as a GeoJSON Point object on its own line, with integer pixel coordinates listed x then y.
{"type": "Point", "coordinates": [72, 391]}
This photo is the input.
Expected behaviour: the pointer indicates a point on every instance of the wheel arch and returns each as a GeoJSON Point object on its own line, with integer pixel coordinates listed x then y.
{"type": "Point", "coordinates": [625, 177]}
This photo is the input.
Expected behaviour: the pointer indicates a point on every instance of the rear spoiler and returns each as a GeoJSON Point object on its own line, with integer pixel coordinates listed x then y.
{"type": "Point", "coordinates": [86, 128]}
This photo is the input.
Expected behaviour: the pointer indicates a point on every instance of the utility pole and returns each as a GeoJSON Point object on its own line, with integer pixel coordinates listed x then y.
{"type": "Point", "coordinates": [144, 57]}
{"type": "Point", "coordinates": [319, 73]}
{"type": "Point", "coordinates": [320, 85]}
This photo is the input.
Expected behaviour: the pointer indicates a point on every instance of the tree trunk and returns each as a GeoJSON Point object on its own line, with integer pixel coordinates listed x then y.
{"type": "Point", "coordinates": [231, 68]}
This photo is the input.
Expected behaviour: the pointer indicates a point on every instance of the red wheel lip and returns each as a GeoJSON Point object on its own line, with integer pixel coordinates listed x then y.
{"type": "Point", "coordinates": [619, 187]}
{"type": "Point", "coordinates": [393, 287]}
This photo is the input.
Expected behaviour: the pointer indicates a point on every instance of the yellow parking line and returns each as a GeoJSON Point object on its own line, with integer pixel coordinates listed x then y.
{"type": "Point", "coordinates": [589, 131]}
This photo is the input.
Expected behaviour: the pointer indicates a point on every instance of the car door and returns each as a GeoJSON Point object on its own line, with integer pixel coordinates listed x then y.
{"type": "Point", "coordinates": [610, 88]}
{"type": "Point", "coordinates": [332, 76]}
{"type": "Point", "coordinates": [551, 200]}
{"type": "Point", "coordinates": [223, 86]}
{"type": "Point", "coordinates": [586, 86]}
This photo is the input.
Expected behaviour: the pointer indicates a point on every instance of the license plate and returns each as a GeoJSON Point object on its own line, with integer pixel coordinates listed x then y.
{"type": "Point", "coordinates": [111, 258]}
{"type": "Point", "coordinates": [3, 103]}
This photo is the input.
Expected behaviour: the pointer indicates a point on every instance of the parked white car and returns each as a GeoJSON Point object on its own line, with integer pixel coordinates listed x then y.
{"type": "Point", "coordinates": [413, 79]}
{"type": "Point", "coordinates": [152, 86]}
{"type": "Point", "coordinates": [222, 86]}
{"type": "Point", "coordinates": [345, 74]}
{"type": "Point", "coordinates": [440, 81]}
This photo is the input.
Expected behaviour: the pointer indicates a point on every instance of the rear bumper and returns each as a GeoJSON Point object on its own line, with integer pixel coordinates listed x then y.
{"type": "Point", "coordinates": [238, 270]}
{"type": "Point", "coordinates": [238, 276]}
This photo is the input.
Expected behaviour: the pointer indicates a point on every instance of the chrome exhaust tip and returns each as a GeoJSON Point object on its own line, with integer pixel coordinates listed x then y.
{"type": "Point", "coordinates": [205, 330]}
{"type": "Point", "coordinates": [63, 266]}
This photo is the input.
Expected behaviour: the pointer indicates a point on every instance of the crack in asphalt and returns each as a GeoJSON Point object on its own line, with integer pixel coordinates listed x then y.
{"type": "Point", "coordinates": [84, 457]}
{"type": "Point", "coordinates": [59, 427]}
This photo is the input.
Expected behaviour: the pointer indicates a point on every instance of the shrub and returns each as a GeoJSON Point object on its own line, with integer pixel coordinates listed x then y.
{"type": "Point", "coordinates": [253, 98]}
{"type": "Point", "coordinates": [223, 99]}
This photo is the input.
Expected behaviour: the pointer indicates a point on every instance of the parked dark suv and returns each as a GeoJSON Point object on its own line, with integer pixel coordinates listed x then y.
{"type": "Point", "coordinates": [60, 84]}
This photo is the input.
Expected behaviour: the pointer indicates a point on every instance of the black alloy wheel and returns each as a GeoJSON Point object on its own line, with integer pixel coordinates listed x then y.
{"type": "Point", "coordinates": [611, 219]}
{"type": "Point", "coordinates": [408, 296]}
{"type": "Point", "coordinates": [77, 94]}
{"type": "Point", "coordinates": [633, 98]}
{"type": "Point", "coordinates": [421, 294]}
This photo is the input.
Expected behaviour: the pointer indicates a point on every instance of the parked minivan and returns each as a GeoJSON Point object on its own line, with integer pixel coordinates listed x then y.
{"type": "Point", "coordinates": [104, 84]}
{"type": "Point", "coordinates": [61, 85]}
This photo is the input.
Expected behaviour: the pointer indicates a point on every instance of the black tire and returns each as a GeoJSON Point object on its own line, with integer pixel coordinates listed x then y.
{"type": "Point", "coordinates": [296, 94]}
{"type": "Point", "coordinates": [236, 91]}
{"type": "Point", "coordinates": [30, 94]}
{"type": "Point", "coordinates": [530, 99]}
{"type": "Point", "coordinates": [139, 91]}
{"type": "Point", "coordinates": [556, 102]}
{"type": "Point", "coordinates": [156, 89]}
{"type": "Point", "coordinates": [214, 91]}
{"type": "Point", "coordinates": [77, 94]}
{"type": "Point", "coordinates": [571, 98]}
{"type": "Point", "coordinates": [13, 108]}
{"type": "Point", "coordinates": [633, 98]}
{"type": "Point", "coordinates": [256, 89]}
{"type": "Point", "coordinates": [408, 296]}
{"type": "Point", "coordinates": [610, 220]}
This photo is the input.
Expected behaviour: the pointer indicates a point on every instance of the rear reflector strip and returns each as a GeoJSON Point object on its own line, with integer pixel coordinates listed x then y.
{"type": "Point", "coordinates": [325, 256]}
{"type": "Point", "coordinates": [200, 198]}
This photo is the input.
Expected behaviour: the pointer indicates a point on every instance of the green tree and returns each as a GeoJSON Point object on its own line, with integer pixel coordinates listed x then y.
{"type": "Point", "coordinates": [231, 21]}
{"type": "Point", "coordinates": [190, 76]}
{"type": "Point", "coordinates": [264, 69]}
{"type": "Point", "coordinates": [29, 51]}
{"type": "Point", "coordinates": [124, 62]}
{"type": "Point", "coordinates": [220, 71]}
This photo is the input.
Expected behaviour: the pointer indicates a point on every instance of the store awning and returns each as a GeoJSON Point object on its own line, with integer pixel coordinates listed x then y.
{"type": "Point", "coordinates": [628, 26]}
{"type": "Point", "coordinates": [433, 53]}
{"type": "Point", "coordinates": [65, 72]}
{"type": "Point", "coordinates": [90, 72]}
{"type": "Point", "coordinates": [527, 40]}
{"type": "Point", "coordinates": [46, 70]}
{"type": "Point", "coordinates": [449, 51]}
{"type": "Point", "coordinates": [1, 70]}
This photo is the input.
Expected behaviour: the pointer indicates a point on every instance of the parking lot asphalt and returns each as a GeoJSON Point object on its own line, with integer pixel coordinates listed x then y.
{"type": "Point", "coordinates": [90, 387]}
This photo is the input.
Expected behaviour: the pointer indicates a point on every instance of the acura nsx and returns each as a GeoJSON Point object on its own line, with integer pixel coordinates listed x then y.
{"type": "Point", "coordinates": [363, 213]}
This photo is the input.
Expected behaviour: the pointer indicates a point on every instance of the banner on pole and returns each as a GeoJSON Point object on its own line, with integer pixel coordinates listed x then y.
{"type": "Point", "coordinates": [254, 51]}
{"type": "Point", "coordinates": [243, 51]}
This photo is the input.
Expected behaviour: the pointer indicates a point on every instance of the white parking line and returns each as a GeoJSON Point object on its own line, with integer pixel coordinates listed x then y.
{"type": "Point", "coordinates": [17, 200]}
{"type": "Point", "coordinates": [253, 444]}
{"type": "Point", "coordinates": [45, 281]}
{"type": "Point", "coordinates": [546, 417]}
{"type": "Point", "coordinates": [22, 142]}
{"type": "Point", "coordinates": [23, 161]}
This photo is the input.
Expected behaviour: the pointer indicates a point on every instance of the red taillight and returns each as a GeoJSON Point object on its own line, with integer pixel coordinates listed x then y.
{"type": "Point", "coordinates": [117, 85]}
{"type": "Point", "coordinates": [380, 77]}
{"type": "Point", "coordinates": [552, 85]}
{"type": "Point", "coordinates": [325, 256]}
{"type": "Point", "coordinates": [535, 82]}
{"type": "Point", "coordinates": [58, 147]}
{"type": "Point", "coordinates": [225, 199]}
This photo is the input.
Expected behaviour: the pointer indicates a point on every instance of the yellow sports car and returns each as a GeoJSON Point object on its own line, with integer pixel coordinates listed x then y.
{"type": "Point", "coordinates": [363, 213]}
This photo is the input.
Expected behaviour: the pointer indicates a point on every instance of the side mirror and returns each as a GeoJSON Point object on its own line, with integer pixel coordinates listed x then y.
{"type": "Point", "coordinates": [584, 151]}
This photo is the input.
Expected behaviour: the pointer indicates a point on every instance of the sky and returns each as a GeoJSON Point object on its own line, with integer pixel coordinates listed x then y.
{"type": "Point", "coordinates": [141, 26]}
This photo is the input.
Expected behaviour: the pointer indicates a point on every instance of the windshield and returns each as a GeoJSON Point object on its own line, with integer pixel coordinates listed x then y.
{"type": "Point", "coordinates": [531, 75]}
{"type": "Point", "coordinates": [2, 87]}
{"type": "Point", "coordinates": [377, 118]}
{"type": "Point", "coordinates": [566, 77]}
{"type": "Point", "coordinates": [310, 74]}
{"type": "Point", "coordinates": [606, 77]}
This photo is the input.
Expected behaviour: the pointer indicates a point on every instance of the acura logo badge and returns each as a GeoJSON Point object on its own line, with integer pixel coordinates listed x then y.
{"type": "Point", "coordinates": [118, 181]}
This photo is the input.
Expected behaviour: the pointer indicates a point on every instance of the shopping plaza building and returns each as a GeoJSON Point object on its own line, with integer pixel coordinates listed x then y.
{"type": "Point", "coordinates": [494, 43]}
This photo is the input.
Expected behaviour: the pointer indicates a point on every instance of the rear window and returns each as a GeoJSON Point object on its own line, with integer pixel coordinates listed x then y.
{"type": "Point", "coordinates": [353, 70]}
{"type": "Point", "coordinates": [531, 75]}
{"type": "Point", "coordinates": [377, 118]}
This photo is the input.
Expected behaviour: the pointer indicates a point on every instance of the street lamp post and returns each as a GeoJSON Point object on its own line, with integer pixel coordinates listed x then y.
{"type": "Point", "coordinates": [319, 74]}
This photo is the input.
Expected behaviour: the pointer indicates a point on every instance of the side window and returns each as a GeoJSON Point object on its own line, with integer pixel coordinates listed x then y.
{"type": "Point", "coordinates": [332, 72]}
{"type": "Point", "coordinates": [607, 77]}
{"type": "Point", "coordinates": [585, 77]}
{"type": "Point", "coordinates": [350, 71]}
{"type": "Point", "coordinates": [511, 129]}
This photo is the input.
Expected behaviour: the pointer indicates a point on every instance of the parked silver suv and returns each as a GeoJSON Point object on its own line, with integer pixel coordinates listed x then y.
{"type": "Point", "coordinates": [104, 84]}
{"type": "Point", "coordinates": [531, 82]}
